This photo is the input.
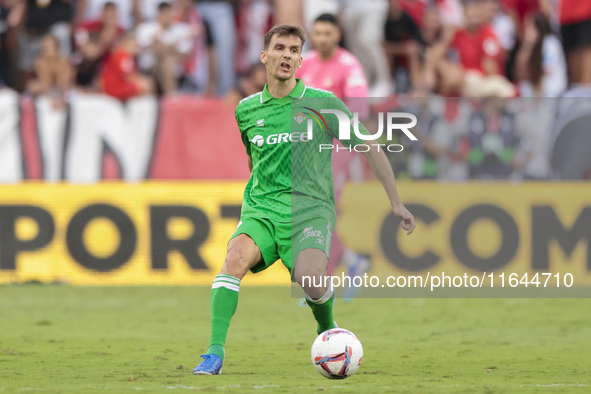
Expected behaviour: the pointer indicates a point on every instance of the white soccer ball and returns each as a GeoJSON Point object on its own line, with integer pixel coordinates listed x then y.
{"type": "Point", "coordinates": [337, 353]}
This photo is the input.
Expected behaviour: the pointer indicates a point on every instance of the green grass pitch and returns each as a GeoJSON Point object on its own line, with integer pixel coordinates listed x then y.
{"type": "Point", "coordinates": [68, 339]}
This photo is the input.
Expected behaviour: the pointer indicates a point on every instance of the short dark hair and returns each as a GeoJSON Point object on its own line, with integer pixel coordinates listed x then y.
{"type": "Point", "coordinates": [109, 4]}
{"type": "Point", "coordinates": [285, 29]}
{"type": "Point", "coordinates": [330, 18]}
{"type": "Point", "coordinates": [471, 2]}
{"type": "Point", "coordinates": [164, 6]}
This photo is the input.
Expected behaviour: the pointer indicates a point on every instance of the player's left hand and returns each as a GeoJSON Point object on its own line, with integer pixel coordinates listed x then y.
{"type": "Point", "coordinates": [408, 221]}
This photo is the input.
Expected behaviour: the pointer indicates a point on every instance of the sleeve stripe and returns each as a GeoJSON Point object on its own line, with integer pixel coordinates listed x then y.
{"type": "Point", "coordinates": [251, 96]}
{"type": "Point", "coordinates": [321, 90]}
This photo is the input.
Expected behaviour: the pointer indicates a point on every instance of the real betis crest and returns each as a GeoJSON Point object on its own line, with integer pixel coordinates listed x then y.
{"type": "Point", "coordinates": [300, 117]}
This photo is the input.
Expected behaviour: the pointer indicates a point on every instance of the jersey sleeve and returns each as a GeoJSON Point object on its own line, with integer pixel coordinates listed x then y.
{"type": "Point", "coordinates": [245, 140]}
{"type": "Point", "coordinates": [333, 124]}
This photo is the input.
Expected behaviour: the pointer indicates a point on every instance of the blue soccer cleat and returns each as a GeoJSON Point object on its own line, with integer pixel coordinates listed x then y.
{"type": "Point", "coordinates": [211, 365]}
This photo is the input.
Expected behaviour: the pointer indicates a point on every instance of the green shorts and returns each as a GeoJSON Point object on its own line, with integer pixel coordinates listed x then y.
{"type": "Point", "coordinates": [286, 240]}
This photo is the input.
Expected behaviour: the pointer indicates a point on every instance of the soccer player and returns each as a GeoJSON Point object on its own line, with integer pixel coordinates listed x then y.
{"type": "Point", "coordinates": [335, 69]}
{"type": "Point", "coordinates": [288, 204]}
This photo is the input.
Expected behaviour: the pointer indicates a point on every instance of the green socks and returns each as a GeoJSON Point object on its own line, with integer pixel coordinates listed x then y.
{"type": "Point", "coordinates": [217, 349]}
{"type": "Point", "coordinates": [224, 300]}
{"type": "Point", "coordinates": [322, 310]}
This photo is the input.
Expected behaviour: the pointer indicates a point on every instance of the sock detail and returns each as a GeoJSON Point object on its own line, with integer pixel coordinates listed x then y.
{"type": "Point", "coordinates": [322, 300]}
{"type": "Point", "coordinates": [227, 281]}
{"type": "Point", "coordinates": [220, 350]}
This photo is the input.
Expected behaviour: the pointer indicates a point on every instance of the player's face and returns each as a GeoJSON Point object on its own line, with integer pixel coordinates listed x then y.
{"type": "Point", "coordinates": [283, 57]}
{"type": "Point", "coordinates": [325, 37]}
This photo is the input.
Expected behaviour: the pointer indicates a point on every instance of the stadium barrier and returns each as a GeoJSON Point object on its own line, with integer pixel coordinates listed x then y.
{"type": "Point", "coordinates": [187, 137]}
{"type": "Point", "coordinates": [171, 233]}
{"type": "Point", "coordinates": [97, 137]}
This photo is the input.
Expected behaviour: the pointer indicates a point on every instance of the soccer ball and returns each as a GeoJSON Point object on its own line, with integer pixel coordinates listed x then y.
{"type": "Point", "coordinates": [337, 353]}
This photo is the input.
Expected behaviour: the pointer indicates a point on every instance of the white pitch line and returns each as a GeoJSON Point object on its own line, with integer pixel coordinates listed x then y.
{"type": "Point", "coordinates": [554, 385]}
{"type": "Point", "coordinates": [180, 386]}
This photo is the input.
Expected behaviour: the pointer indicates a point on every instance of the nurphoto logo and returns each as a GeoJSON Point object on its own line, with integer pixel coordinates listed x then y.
{"type": "Point", "coordinates": [346, 123]}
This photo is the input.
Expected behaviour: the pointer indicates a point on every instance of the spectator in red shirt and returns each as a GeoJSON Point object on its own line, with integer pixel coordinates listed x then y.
{"type": "Point", "coordinates": [106, 27]}
{"type": "Point", "coordinates": [476, 45]}
{"type": "Point", "coordinates": [119, 76]}
{"type": "Point", "coordinates": [94, 40]}
{"type": "Point", "coordinates": [478, 52]}
{"type": "Point", "coordinates": [575, 28]}
{"type": "Point", "coordinates": [416, 10]}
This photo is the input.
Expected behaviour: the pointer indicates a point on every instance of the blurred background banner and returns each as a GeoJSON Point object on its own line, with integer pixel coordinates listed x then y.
{"type": "Point", "coordinates": [119, 234]}
{"type": "Point", "coordinates": [172, 233]}
{"type": "Point", "coordinates": [97, 137]}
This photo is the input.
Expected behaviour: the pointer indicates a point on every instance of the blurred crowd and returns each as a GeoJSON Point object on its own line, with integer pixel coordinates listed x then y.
{"type": "Point", "coordinates": [126, 48]}
{"type": "Point", "coordinates": [404, 48]}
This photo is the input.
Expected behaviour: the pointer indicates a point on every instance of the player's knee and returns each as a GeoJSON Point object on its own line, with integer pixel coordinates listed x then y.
{"type": "Point", "coordinates": [237, 263]}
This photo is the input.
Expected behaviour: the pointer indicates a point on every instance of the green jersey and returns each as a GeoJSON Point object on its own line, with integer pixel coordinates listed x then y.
{"type": "Point", "coordinates": [291, 178]}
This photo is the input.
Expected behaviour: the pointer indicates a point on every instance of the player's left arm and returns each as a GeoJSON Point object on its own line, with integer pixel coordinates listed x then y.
{"type": "Point", "coordinates": [379, 165]}
{"type": "Point", "coordinates": [383, 171]}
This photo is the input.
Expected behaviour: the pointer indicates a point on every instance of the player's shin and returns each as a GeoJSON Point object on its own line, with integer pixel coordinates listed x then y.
{"type": "Point", "coordinates": [322, 310]}
{"type": "Point", "coordinates": [224, 300]}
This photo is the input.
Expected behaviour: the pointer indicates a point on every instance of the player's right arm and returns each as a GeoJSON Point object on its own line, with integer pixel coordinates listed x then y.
{"type": "Point", "coordinates": [245, 140]}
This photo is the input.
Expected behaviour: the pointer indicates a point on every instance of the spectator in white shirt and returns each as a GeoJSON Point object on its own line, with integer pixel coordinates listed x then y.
{"type": "Point", "coordinates": [541, 65]}
{"type": "Point", "coordinates": [148, 9]}
{"type": "Point", "coordinates": [501, 23]}
{"type": "Point", "coordinates": [165, 44]}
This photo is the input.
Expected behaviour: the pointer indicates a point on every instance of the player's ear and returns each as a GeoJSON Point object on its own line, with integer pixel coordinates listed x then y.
{"type": "Point", "coordinates": [263, 57]}
{"type": "Point", "coordinates": [300, 60]}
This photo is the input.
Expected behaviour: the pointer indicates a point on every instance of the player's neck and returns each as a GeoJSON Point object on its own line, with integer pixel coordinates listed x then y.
{"type": "Point", "coordinates": [280, 89]}
{"type": "Point", "coordinates": [324, 57]}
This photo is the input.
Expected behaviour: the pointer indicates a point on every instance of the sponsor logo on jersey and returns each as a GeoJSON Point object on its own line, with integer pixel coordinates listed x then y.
{"type": "Point", "coordinates": [273, 139]}
{"type": "Point", "coordinates": [258, 140]}
{"type": "Point", "coordinates": [260, 122]}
